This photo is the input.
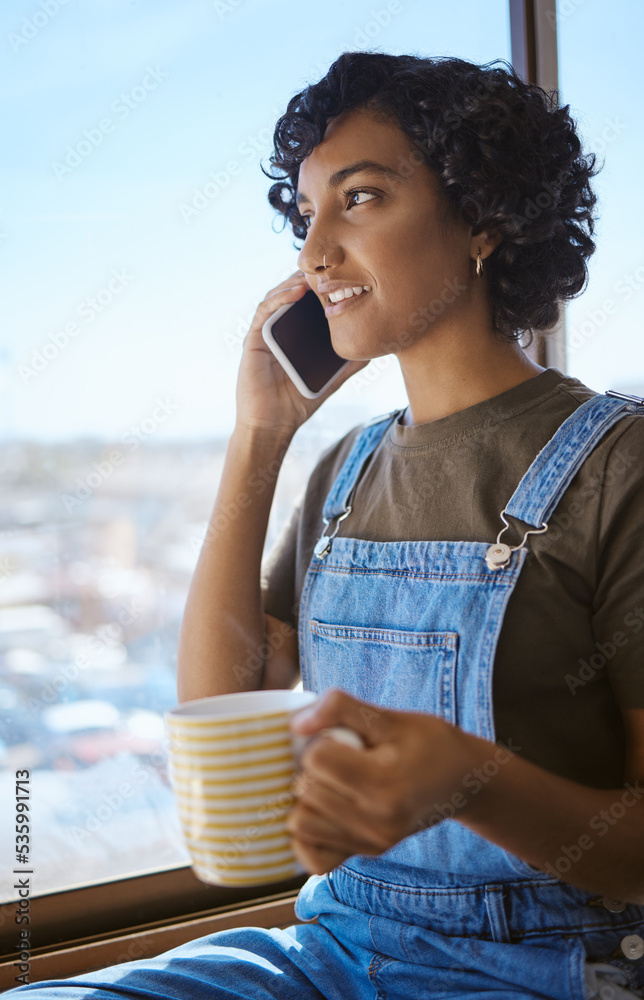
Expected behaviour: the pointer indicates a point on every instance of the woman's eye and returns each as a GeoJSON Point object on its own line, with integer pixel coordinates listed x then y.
{"type": "Point", "coordinates": [350, 195]}
{"type": "Point", "coordinates": [353, 194]}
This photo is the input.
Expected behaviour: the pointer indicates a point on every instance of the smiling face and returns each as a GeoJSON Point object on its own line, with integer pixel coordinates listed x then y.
{"type": "Point", "coordinates": [379, 214]}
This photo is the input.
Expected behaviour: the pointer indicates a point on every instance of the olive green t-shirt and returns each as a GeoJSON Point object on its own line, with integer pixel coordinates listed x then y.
{"type": "Point", "coordinates": [571, 648]}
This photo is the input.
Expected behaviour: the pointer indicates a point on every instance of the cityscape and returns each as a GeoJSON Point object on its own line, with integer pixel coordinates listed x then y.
{"type": "Point", "coordinates": [96, 557]}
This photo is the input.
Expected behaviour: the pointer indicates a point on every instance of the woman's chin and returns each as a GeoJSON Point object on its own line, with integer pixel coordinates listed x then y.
{"type": "Point", "coordinates": [351, 346]}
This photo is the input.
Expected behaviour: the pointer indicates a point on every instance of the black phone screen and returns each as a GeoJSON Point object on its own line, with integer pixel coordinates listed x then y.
{"type": "Point", "coordinates": [304, 336]}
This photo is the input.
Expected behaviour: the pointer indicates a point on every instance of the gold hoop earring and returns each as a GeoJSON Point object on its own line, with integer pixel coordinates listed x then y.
{"type": "Point", "coordinates": [479, 264]}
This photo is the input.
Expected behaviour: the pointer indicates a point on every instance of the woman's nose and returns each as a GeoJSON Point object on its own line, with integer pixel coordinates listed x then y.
{"type": "Point", "coordinates": [311, 258]}
{"type": "Point", "coordinates": [311, 268]}
{"type": "Point", "coordinates": [319, 243]}
{"type": "Point", "coordinates": [317, 255]}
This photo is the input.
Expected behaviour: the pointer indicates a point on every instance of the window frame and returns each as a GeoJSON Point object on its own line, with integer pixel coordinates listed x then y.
{"type": "Point", "coordinates": [533, 44]}
{"type": "Point", "coordinates": [75, 921]}
{"type": "Point", "coordinates": [104, 939]}
{"type": "Point", "coordinates": [95, 908]}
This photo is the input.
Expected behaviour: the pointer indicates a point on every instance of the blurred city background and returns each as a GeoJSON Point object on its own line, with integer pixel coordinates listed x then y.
{"type": "Point", "coordinates": [132, 257]}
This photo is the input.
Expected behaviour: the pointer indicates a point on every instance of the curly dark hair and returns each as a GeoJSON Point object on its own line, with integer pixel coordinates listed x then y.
{"type": "Point", "coordinates": [508, 156]}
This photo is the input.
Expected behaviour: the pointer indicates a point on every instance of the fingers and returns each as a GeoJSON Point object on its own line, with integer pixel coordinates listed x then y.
{"type": "Point", "coordinates": [305, 788]}
{"type": "Point", "coordinates": [295, 280]}
{"type": "Point", "coordinates": [317, 860]}
{"type": "Point", "coordinates": [337, 708]}
{"type": "Point", "coordinates": [309, 826]}
{"type": "Point", "coordinates": [278, 297]}
{"type": "Point", "coordinates": [338, 819]}
{"type": "Point", "coordinates": [341, 768]}
{"type": "Point", "coordinates": [373, 779]}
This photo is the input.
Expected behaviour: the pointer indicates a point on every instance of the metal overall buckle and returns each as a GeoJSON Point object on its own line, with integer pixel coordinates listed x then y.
{"type": "Point", "coordinates": [498, 555]}
{"type": "Point", "coordinates": [625, 395]}
{"type": "Point", "coordinates": [323, 544]}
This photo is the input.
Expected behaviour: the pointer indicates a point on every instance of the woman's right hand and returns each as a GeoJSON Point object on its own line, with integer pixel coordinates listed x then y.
{"type": "Point", "coordinates": [266, 397]}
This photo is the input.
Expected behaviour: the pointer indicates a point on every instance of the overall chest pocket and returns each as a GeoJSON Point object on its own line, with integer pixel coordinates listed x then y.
{"type": "Point", "coordinates": [409, 671]}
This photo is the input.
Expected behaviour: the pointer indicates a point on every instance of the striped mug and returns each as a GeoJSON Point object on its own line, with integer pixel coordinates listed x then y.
{"type": "Point", "coordinates": [232, 760]}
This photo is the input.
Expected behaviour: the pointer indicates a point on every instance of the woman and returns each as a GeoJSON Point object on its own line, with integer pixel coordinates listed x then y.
{"type": "Point", "coordinates": [475, 611]}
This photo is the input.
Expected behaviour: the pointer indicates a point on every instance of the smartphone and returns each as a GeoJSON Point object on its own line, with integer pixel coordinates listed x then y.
{"type": "Point", "coordinates": [298, 335]}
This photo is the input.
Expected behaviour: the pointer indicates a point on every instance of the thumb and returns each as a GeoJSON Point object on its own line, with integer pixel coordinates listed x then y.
{"type": "Point", "coordinates": [337, 708]}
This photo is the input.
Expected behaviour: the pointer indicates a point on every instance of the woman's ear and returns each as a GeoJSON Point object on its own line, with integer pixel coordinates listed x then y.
{"type": "Point", "coordinates": [493, 239]}
{"type": "Point", "coordinates": [487, 240]}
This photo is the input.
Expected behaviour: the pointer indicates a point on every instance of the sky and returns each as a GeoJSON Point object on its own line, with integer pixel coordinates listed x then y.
{"type": "Point", "coordinates": [136, 239]}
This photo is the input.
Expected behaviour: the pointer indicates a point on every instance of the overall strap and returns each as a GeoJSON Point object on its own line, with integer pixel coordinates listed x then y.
{"type": "Point", "coordinates": [560, 459]}
{"type": "Point", "coordinates": [363, 447]}
{"type": "Point", "coordinates": [337, 503]}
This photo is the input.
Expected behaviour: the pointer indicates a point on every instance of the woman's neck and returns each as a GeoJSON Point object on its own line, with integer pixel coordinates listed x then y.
{"type": "Point", "coordinates": [440, 383]}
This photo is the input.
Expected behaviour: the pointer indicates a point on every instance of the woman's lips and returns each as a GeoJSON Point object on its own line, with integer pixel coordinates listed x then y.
{"type": "Point", "coordinates": [334, 308]}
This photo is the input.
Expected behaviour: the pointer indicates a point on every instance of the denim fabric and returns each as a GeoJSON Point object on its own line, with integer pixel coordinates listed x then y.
{"type": "Point", "coordinates": [249, 962]}
{"type": "Point", "coordinates": [445, 913]}
{"type": "Point", "coordinates": [414, 625]}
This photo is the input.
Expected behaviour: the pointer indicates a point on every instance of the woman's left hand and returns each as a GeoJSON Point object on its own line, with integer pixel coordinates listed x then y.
{"type": "Point", "coordinates": [352, 801]}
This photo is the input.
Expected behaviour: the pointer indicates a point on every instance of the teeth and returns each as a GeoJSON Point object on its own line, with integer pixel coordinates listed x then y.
{"type": "Point", "coordinates": [347, 293]}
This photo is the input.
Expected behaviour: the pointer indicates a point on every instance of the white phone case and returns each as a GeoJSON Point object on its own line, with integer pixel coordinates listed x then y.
{"type": "Point", "coordinates": [292, 372]}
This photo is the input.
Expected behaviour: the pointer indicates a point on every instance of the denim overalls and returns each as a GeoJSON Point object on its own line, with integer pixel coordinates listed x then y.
{"type": "Point", "coordinates": [414, 625]}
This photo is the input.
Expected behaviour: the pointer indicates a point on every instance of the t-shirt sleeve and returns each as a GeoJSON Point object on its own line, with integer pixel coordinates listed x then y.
{"type": "Point", "coordinates": [284, 566]}
{"type": "Point", "coordinates": [277, 578]}
{"type": "Point", "coordinates": [618, 620]}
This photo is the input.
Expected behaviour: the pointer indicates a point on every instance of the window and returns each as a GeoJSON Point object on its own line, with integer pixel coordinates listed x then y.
{"type": "Point", "coordinates": [137, 241]}
{"type": "Point", "coordinates": [597, 56]}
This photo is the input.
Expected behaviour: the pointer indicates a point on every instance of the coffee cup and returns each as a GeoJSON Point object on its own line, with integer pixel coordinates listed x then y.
{"type": "Point", "coordinates": [232, 763]}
